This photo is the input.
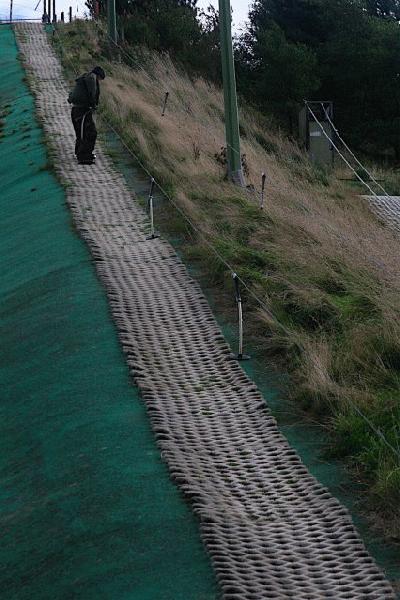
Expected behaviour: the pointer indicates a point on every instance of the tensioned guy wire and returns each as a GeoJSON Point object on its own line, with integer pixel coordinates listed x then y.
{"type": "Point", "coordinates": [351, 152]}
{"type": "Point", "coordinates": [338, 151]}
{"type": "Point", "coordinates": [214, 250]}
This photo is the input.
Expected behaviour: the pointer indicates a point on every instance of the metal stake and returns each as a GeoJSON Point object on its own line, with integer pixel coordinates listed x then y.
{"type": "Point", "coordinates": [165, 103]}
{"type": "Point", "coordinates": [263, 178]}
{"type": "Point", "coordinates": [238, 297]}
{"type": "Point", "coordinates": [153, 235]}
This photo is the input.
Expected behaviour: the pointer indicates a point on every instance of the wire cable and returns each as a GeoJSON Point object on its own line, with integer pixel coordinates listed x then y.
{"type": "Point", "coordinates": [338, 151]}
{"type": "Point", "coordinates": [351, 152]}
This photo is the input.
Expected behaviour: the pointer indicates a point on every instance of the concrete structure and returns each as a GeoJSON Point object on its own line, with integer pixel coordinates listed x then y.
{"type": "Point", "coordinates": [312, 138]}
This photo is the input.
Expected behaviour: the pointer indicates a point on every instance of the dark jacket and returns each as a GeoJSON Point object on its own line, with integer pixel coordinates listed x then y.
{"type": "Point", "coordinates": [86, 91]}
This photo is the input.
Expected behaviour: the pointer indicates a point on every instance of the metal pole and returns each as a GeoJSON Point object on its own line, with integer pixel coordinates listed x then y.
{"type": "Point", "coordinates": [11, 10]}
{"type": "Point", "coordinates": [263, 178]}
{"type": "Point", "coordinates": [49, 11]}
{"type": "Point", "coordinates": [152, 235]}
{"type": "Point", "coordinates": [238, 296]}
{"type": "Point", "coordinates": [62, 16]}
{"type": "Point", "coordinates": [165, 103]}
{"type": "Point", "coordinates": [70, 14]}
{"type": "Point", "coordinates": [54, 12]}
{"type": "Point", "coordinates": [112, 20]}
{"type": "Point", "coordinates": [44, 18]}
{"type": "Point", "coordinates": [230, 99]}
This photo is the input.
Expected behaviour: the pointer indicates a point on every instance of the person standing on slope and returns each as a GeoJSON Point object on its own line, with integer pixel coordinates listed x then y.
{"type": "Point", "coordinates": [84, 99]}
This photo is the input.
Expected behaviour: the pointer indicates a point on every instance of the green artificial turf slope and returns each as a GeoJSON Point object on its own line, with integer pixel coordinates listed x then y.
{"type": "Point", "coordinates": [86, 506]}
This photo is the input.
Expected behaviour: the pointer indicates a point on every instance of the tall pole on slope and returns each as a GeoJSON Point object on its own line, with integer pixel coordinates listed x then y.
{"type": "Point", "coordinates": [112, 20]}
{"type": "Point", "coordinates": [230, 99]}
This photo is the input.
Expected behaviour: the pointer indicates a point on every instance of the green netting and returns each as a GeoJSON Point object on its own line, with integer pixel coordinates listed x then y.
{"type": "Point", "coordinates": [87, 508]}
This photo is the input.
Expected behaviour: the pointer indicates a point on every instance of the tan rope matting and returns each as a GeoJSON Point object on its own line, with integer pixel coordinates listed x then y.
{"type": "Point", "coordinates": [271, 529]}
{"type": "Point", "coordinates": [386, 208]}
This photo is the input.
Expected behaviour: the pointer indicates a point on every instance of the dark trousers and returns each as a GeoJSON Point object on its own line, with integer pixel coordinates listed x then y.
{"type": "Point", "coordinates": [85, 131]}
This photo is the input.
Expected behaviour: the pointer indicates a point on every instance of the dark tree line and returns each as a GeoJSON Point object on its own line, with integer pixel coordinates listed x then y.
{"type": "Point", "coordinates": [347, 51]}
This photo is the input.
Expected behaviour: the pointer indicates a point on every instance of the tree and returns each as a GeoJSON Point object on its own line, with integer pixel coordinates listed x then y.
{"type": "Point", "coordinates": [174, 26]}
{"type": "Point", "coordinates": [367, 92]}
{"type": "Point", "coordinates": [384, 8]}
{"type": "Point", "coordinates": [352, 47]}
{"type": "Point", "coordinates": [282, 73]}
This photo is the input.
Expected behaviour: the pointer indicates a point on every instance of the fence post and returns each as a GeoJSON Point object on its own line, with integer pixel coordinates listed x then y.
{"type": "Point", "coordinates": [70, 14]}
{"type": "Point", "coordinates": [165, 103]}
{"type": "Point", "coordinates": [238, 298]}
{"type": "Point", "coordinates": [152, 235]}
{"type": "Point", "coordinates": [62, 17]}
{"type": "Point", "coordinates": [263, 178]}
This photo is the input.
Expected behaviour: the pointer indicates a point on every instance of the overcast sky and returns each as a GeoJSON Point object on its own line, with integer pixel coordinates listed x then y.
{"type": "Point", "coordinates": [26, 8]}
{"type": "Point", "coordinates": [240, 10]}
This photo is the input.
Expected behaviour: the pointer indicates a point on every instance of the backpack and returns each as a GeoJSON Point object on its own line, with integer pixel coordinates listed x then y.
{"type": "Point", "coordinates": [79, 94]}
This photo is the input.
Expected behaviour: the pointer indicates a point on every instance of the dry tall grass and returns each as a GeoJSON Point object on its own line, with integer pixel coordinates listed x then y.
{"type": "Point", "coordinates": [317, 256]}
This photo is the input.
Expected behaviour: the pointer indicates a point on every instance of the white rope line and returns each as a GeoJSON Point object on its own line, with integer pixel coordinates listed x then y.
{"type": "Point", "coordinates": [351, 152]}
{"type": "Point", "coordinates": [297, 342]}
{"type": "Point", "coordinates": [338, 151]}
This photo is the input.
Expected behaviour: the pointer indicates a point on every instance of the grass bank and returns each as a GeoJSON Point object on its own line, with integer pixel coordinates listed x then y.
{"type": "Point", "coordinates": [324, 265]}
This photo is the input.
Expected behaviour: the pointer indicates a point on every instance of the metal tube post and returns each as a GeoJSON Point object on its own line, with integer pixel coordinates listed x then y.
{"type": "Point", "coordinates": [112, 20]}
{"type": "Point", "coordinates": [54, 12]}
{"type": "Point", "coordinates": [152, 235]}
{"type": "Point", "coordinates": [238, 297]}
{"type": "Point", "coordinates": [70, 14]}
{"type": "Point", "coordinates": [230, 99]}
{"type": "Point", "coordinates": [263, 178]}
{"type": "Point", "coordinates": [165, 103]}
{"type": "Point", "coordinates": [11, 10]}
{"type": "Point", "coordinates": [62, 17]}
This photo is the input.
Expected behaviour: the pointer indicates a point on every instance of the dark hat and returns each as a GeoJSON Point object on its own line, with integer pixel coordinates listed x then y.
{"type": "Point", "coordinates": [99, 71]}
